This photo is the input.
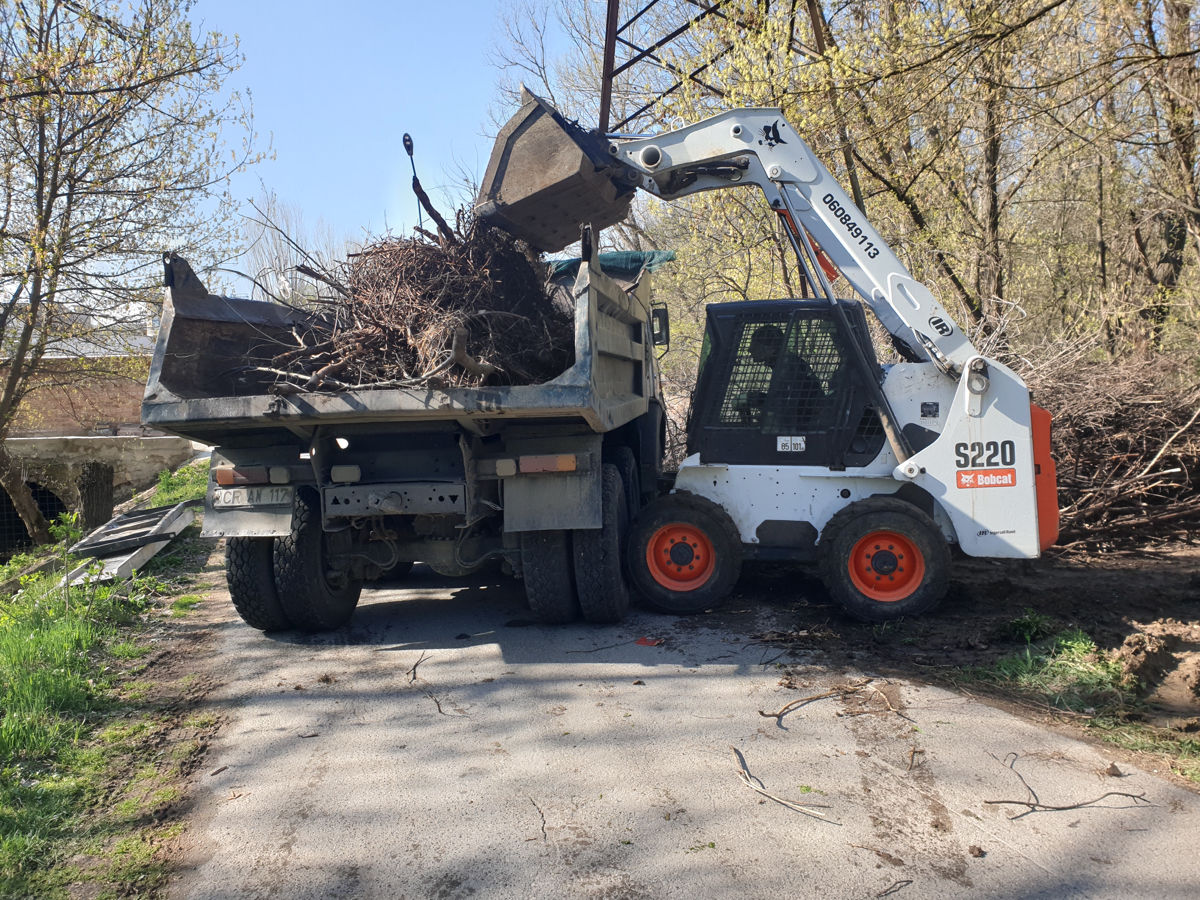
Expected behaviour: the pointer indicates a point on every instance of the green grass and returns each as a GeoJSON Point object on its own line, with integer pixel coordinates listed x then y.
{"type": "Point", "coordinates": [1030, 627]}
{"type": "Point", "coordinates": [57, 686]}
{"type": "Point", "coordinates": [184, 604]}
{"type": "Point", "coordinates": [1067, 671]}
{"type": "Point", "coordinates": [185, 483]}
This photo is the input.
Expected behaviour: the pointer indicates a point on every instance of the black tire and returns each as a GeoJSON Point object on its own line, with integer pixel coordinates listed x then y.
{"type": "Point", "coordinates": [599, 569]}
{"type": "Point", "coordinates": [701, 573]}
{"type": "Point", "coordinates": [547, 571]}
{"type": "Point", "coordinates": [904, 571]}
{"type": "Point", "coordinates": [309, 597]}
{"type": "Point", "coordinates": [251, 579]}
{"type": "Point", "coordinates": [622, 457]}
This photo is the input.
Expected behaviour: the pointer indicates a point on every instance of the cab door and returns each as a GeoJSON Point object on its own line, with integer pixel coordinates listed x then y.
{"type": "Point", "coordinates": [806, 404]}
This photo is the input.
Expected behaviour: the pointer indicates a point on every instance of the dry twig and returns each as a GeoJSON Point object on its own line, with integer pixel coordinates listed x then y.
{"type": "Point", "coordinates": [1036, 805]}
{"type": "Point", "coordinates": [808, 809]}
{"type": "Point", "coordinates": [841, 691]}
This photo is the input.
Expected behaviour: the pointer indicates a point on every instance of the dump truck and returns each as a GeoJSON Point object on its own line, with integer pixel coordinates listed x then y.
{"type": "Point", "coordinates": [317, 493]}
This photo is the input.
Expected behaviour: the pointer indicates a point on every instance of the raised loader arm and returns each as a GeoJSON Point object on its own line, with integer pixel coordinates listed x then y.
{"type": "Point", "coordinates": [758, 147]}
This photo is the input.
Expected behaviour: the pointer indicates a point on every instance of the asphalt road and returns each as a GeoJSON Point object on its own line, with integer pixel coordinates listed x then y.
{"type": "Point", "coordinates": [442, 746]}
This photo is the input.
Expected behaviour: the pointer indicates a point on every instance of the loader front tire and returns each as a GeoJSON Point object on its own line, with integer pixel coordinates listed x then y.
{"type": "Point", "coordinates": [251, 578]}
{"type": "Point", "coordinates": [546, 569]}
{"type": "Point", "coordinates": [314, 598]}
{"type": "Point", "coordinates": [685, 554]}
{"type": "Point", "coordinates": [883, 559]}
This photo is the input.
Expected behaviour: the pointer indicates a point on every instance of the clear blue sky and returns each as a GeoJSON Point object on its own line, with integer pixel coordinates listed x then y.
{"type": "Point", "coordinates": [336, 85]}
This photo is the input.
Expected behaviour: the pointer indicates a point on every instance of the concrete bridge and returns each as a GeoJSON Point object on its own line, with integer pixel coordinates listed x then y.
{"type": "Point", "coordinates": [52, 466]}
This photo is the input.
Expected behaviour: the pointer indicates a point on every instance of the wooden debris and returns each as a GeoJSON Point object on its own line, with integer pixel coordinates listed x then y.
{"type": "Point", "coordinates": [808, 809]}
{"type": "Point", "coordinates": [1034, 803]}
{"type": "Point", "coordinates": [1126, 440]}
{"type": "Point", "coordinates": [840, 691]}
{"type": "Point", "coordinates": [466, 308]}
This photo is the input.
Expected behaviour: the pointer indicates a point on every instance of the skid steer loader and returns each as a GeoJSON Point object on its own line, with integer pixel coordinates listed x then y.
{"type": "Point", "coordinates": [801, 446]}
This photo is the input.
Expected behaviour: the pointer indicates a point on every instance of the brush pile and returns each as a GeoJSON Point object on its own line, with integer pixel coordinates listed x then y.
{"type": "Point", "coordinates": [1126, 441]}
{"type": "Point", "coordinates": [466, 309]}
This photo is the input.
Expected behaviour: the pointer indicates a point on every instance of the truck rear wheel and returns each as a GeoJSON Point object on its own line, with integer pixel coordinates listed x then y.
{"type": "Point", "coordinates": [599, 574]}
{"type": "Point", "coordinates": [546, 568]}
{"type": "Point", "coordinates": [313, 598]}
{"type": "Point", "coordinates": [251, 578]}
{"type": "Point", "coordinates": [685, 554]}
{"type": "Point", "coordinates": [883, 558]}
{"type": "Point", "coordinates": [622, 457]}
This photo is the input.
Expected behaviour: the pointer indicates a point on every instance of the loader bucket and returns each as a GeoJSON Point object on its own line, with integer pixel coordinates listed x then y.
{"type": "Point", "coordinates": [548, 176]}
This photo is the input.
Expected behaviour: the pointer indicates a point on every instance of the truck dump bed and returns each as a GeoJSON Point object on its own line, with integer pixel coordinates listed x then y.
{"type": "Point", "coordinates": [200, 386]}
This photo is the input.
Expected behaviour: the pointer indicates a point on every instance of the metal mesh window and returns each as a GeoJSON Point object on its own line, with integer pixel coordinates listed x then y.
{"type": "Point", "coordinates": [749, 380]}
{"type": "Point", "coordinates": [869, 427]}
{"type": "Point", "coordinates": [783, 376]}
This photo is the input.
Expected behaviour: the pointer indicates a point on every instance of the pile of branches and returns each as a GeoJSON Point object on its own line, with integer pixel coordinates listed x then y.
{"type": "Point", "coordinates": [1126, 439]}
{"type": "Point", "coordinates": [464, 308]}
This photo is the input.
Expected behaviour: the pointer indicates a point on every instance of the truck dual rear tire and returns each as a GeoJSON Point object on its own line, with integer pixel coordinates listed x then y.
{"type": "Point", "coordinates": [549, 576]}
{"type": "Point", "coordinates": [599, 573]}
{"type": "Point", "coordinates": [684, 554]}
{"type": "Point", "coordinates": [883, 558]}
{"type": "Point", "coordinates": [311, 597]}
{"type": "Point", "coordinates": [251, 578]}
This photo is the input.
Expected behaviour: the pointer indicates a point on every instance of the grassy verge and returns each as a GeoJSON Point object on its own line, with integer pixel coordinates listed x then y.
{"type": "Point", "coordinates": [1066, 671]}
{"type": "Point", "coordinates": [185, 483]}
{"type": "Point", "coordinates": [92, 752]}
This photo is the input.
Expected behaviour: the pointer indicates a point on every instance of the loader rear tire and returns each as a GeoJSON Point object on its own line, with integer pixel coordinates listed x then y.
{"type": "Point", "coordinates": [685, 554]}
{"type": "Point", "coordinates": [311, 596]}
{"type": "Point", "coordinates": [599, 573]}
{"type": "Point", "coordinates": [546, 569]}
{"type": "Point", "coordinates": [251, 579]}
{"type": "Point", "coordinates": [883, 559]}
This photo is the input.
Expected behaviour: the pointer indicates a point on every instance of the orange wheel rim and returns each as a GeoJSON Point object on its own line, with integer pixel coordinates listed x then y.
{"type": "Point", "coordinates": [886, 566]}
{"type": "Point", "coordinates": [680, 557]}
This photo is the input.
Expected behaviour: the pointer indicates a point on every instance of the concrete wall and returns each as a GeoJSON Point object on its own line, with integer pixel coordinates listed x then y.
{"type": "Point", "coordinates": [55, 462]}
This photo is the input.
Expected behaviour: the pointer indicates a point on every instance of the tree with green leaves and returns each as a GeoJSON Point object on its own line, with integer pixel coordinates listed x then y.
{"type": "Point", "coordinates": [115, 125]}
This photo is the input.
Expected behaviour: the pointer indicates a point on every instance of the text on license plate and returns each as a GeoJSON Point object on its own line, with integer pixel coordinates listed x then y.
{"type": "Point", "coordinates": [252, 496]}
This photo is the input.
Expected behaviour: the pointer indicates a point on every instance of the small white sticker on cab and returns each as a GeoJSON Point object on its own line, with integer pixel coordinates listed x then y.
{"type": "Point", "coordinates": [789, 443]}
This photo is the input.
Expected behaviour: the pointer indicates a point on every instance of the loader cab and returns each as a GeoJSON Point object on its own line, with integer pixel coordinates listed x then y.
{"type": "Point", "coordinates": [778, 385]}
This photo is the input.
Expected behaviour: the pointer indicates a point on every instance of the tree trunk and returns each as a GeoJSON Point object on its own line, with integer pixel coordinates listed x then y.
{"type": "Point", "coordinates": [22, 499]}
{"type": "Point", "coordinates": [95, 485]}
{"type": "Point", "coordinates": [989, 286]}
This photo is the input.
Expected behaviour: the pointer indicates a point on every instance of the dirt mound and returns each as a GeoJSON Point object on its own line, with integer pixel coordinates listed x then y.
{"type": "Point", "coordinates": [1145, 658]}
{"type": "Point", "coordinates": [1190, 669]}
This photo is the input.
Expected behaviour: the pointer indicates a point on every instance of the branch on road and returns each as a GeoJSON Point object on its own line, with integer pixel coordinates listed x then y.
{"type": "Point", "coordinates": [840, 692]}
{"type": "Point", "coordinates": [1034, 804]}
{"type": "Point", "coordinates": [808, 809]}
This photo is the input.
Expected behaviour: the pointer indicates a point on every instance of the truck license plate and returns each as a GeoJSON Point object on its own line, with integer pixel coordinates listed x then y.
{"type": "Point", "coordinates": [252, 496]}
